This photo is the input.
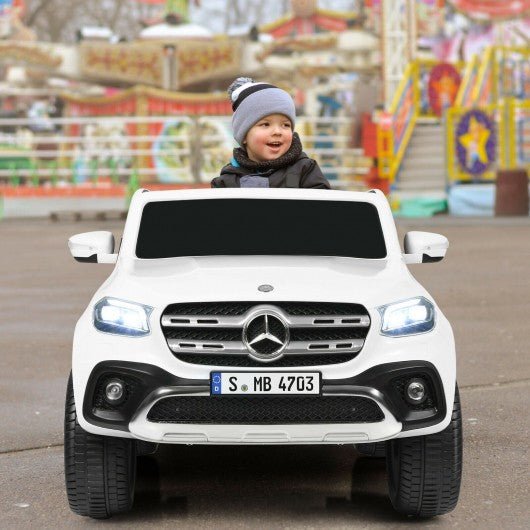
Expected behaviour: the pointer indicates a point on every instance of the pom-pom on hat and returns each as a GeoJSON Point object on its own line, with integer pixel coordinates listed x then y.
{"type": "Point", "coordinates": [252, 101]}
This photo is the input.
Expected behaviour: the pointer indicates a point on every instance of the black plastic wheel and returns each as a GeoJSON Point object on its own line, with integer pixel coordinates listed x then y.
{"type": "Point", "coordinates": [424, 472]}
{"type": "Point", "coordinates": [100, 471]}
{"type": "Point", "coordinates": [373, 450]}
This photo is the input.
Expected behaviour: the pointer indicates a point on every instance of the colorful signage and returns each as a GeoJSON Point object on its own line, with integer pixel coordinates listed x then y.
{"type": "Point", "coordinates": [444, 82]}
{"type": "Point", "coordinates": [476, 142]}
{"type": "Point", "coordinates": [32, 54]}
{"type": "Point", "coordinates": [493, 9]}
{"type": "Point", "coordinates": [134, 63]}
{"type": "Point", "coordinates": [201, 61]}
{"type": "Point", "coordinates": [144, 63]}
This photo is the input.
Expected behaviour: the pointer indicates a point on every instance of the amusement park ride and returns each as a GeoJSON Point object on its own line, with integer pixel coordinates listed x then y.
{"type": "Point", "coordinates": [356, 68]}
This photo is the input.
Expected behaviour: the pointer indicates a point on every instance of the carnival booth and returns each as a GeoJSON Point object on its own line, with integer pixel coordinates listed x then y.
{"type": "Point", "coordinates": [454, 121]}
{"type": "Point", "coordinates": [172, 139]}
{"type": "Point", "coordinates": [488, 127]}
{"type": "Point", "coordinates": [164, 137]}
{"type": "Point", "coordinates": [307, 19]}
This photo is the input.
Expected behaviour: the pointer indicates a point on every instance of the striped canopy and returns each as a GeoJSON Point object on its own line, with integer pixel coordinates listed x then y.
{"type": "Point", "coordinates": [493, 9]}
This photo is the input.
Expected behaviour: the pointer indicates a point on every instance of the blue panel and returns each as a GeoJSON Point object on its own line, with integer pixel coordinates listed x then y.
{"type": "Point", "coordinates": [215, 384]}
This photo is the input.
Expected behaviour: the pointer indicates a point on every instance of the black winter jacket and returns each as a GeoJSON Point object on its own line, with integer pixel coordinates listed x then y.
{"type": "Point", "coordinates": [304, 173]}
{"type": "Point", "coordinates": [292, 170]}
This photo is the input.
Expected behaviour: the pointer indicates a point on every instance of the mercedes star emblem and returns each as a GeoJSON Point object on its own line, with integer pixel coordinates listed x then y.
{"type": "Point", "coordinates": [265, 335]}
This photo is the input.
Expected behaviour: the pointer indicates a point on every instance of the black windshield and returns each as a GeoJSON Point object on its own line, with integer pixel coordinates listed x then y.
{"type": "Point", "coordinates": [214, 227]}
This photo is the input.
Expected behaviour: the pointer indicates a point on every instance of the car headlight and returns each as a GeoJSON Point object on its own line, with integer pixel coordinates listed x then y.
{"type": "Point", "coordinates": [407, 318]}
{"type": "Point", "coordinates": [122, 318]}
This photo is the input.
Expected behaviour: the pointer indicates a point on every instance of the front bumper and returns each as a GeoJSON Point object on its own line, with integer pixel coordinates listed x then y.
{"type": "Point", "coordinates": [148, 384]}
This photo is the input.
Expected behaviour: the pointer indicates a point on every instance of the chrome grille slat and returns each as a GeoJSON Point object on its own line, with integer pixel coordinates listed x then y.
{"type": "Point", "coordinates": [226, 347]}
{"type": "Point", "coordinates": [202, 335]}
{"type": "Point", "coordinates": [335, 321]}
{"type": "Point", "coordinates": [303, 347]}
{"type": "Point", "coordinates": [296, 347]}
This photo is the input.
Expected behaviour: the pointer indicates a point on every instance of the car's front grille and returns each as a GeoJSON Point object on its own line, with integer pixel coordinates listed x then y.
{"type": "Point", "coordinates": [234, 334]}
{"type": "Point", "coordinates": [303, 333]}
{"type": "Point", "coordinates": [243, 361]}
{"type": "Point", "coordinates": [260, 410]}
{"type": "Point", "coordinates": [240, 308]}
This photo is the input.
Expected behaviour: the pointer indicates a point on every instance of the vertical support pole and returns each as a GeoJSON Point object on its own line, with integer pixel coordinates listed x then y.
{"type": "Point", "coordinates": [507, 133]}
{"type": "Point", "coordinates": [397, 45]}
{"type": "Point", "coordinates": [495, 74]}
{"type": "Point", "coordinates": [142, 129]}
{"type": "Point", "coordinates": [450, 146]}
{"type": "Point", "coordinates": [445, 130]}
{"type": "Point", "coordinates": [412, 32]}
{"type": "Point", "coordinates": [416, 72]}
{"type": "Point", "coordinates": [195, 149]}
{"type": "Point", "coordinates": [169, 64]}
{"type": "Point", "coordinates": [382, 51]}
{"type": "Point", "coordinates": [512, 136]}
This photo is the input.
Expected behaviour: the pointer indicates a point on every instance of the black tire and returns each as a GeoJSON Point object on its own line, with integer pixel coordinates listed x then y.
{"type": "Point", "coordinates": [373, 450]}
{"type": "Point", "coordinates": [424, 472]}
{"type": "Point", "coordinates": [100, 471]}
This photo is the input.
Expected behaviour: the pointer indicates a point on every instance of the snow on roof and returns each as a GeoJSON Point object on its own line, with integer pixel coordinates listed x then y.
{"type": "Point", "coordinates": [96, 32]}
{"type": "Point", "coordinates": [168, 31]}
{"type": "Point", "coordinates": [239, 30]}
{"type": "Point", "coordinates": [243, 30]}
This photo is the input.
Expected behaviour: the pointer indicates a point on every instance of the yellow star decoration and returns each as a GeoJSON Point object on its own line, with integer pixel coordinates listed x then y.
{"type": "Point", "coordinates": [475, 140]}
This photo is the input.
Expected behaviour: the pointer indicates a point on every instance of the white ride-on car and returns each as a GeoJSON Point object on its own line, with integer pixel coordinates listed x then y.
{"type": "Point", "coordinates": [262, 316]}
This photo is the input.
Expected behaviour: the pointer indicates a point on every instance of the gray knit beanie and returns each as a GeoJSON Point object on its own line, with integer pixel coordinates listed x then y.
{"type": "Point", "coordinates": [252, 101]}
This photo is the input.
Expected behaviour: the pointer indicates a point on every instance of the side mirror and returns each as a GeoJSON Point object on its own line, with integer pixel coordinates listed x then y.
{"type": "Point", "coordinates": [424, 247]}
{"type": "Point", "coordinates": [93, 247]}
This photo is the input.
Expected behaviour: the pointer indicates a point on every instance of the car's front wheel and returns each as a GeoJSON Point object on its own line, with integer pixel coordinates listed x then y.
{"type": "Point", "coordinates": [424, 472]}
{"type": "Point", "coordinates": [100, 471]}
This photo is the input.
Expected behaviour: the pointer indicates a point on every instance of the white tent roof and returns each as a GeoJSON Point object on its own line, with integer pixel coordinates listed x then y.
{"type": "Point", "coordinates": [96, 32]}
{"type": "Point", "coordinates": [168, 31]}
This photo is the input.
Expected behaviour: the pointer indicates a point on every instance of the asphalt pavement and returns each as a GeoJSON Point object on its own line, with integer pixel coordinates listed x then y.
{"type": "Point", "coordinates": [483, 287]}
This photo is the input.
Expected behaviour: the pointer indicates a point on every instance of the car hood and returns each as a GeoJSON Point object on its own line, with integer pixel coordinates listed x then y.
{"type": "Point", "coordinates": [230, 278]}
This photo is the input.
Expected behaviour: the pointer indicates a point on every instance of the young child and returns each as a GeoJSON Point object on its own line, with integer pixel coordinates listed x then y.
{"type": "Point", "coordinates": [271, 154]}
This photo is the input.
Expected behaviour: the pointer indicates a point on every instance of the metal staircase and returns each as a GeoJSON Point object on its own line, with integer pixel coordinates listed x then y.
{"type": "Point", "coordinates": [422, 171]}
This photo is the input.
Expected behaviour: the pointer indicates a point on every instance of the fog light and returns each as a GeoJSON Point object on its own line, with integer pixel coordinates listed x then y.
{"type": "Point", "coordinates": [416, 391]}
{"type": "Point", "coordinates": [114, 391]}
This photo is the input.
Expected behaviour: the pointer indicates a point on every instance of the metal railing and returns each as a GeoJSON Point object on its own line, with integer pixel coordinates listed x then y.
{"type": "Point", "coordinates": [411, 102]}
{"type": "Point", "coordinates": [395, 127]}
{"type": "Point", "coordinates": [465, 93]}
{"type": "Point", "coordinates": [500, 72]}
{"type": "Point", "coordinates": [519, 134]}
{"type": "Point", "coordinates": [171, 150]}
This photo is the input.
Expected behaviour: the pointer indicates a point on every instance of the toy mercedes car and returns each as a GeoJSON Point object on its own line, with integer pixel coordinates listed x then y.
{"type": "Point", "coordinates": [251, 316]}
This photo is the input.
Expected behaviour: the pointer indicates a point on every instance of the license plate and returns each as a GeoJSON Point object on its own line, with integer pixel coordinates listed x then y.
{"type": "Point", "coordinates": [264, 383]}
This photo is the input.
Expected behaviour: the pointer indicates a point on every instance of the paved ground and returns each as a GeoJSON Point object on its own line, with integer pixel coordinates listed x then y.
{"type": "Point", "coordinates": [483, 287]}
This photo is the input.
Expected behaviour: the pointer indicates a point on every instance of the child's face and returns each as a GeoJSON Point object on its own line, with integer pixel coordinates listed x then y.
{"type": "Point", "coordinates": [269, 138]}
